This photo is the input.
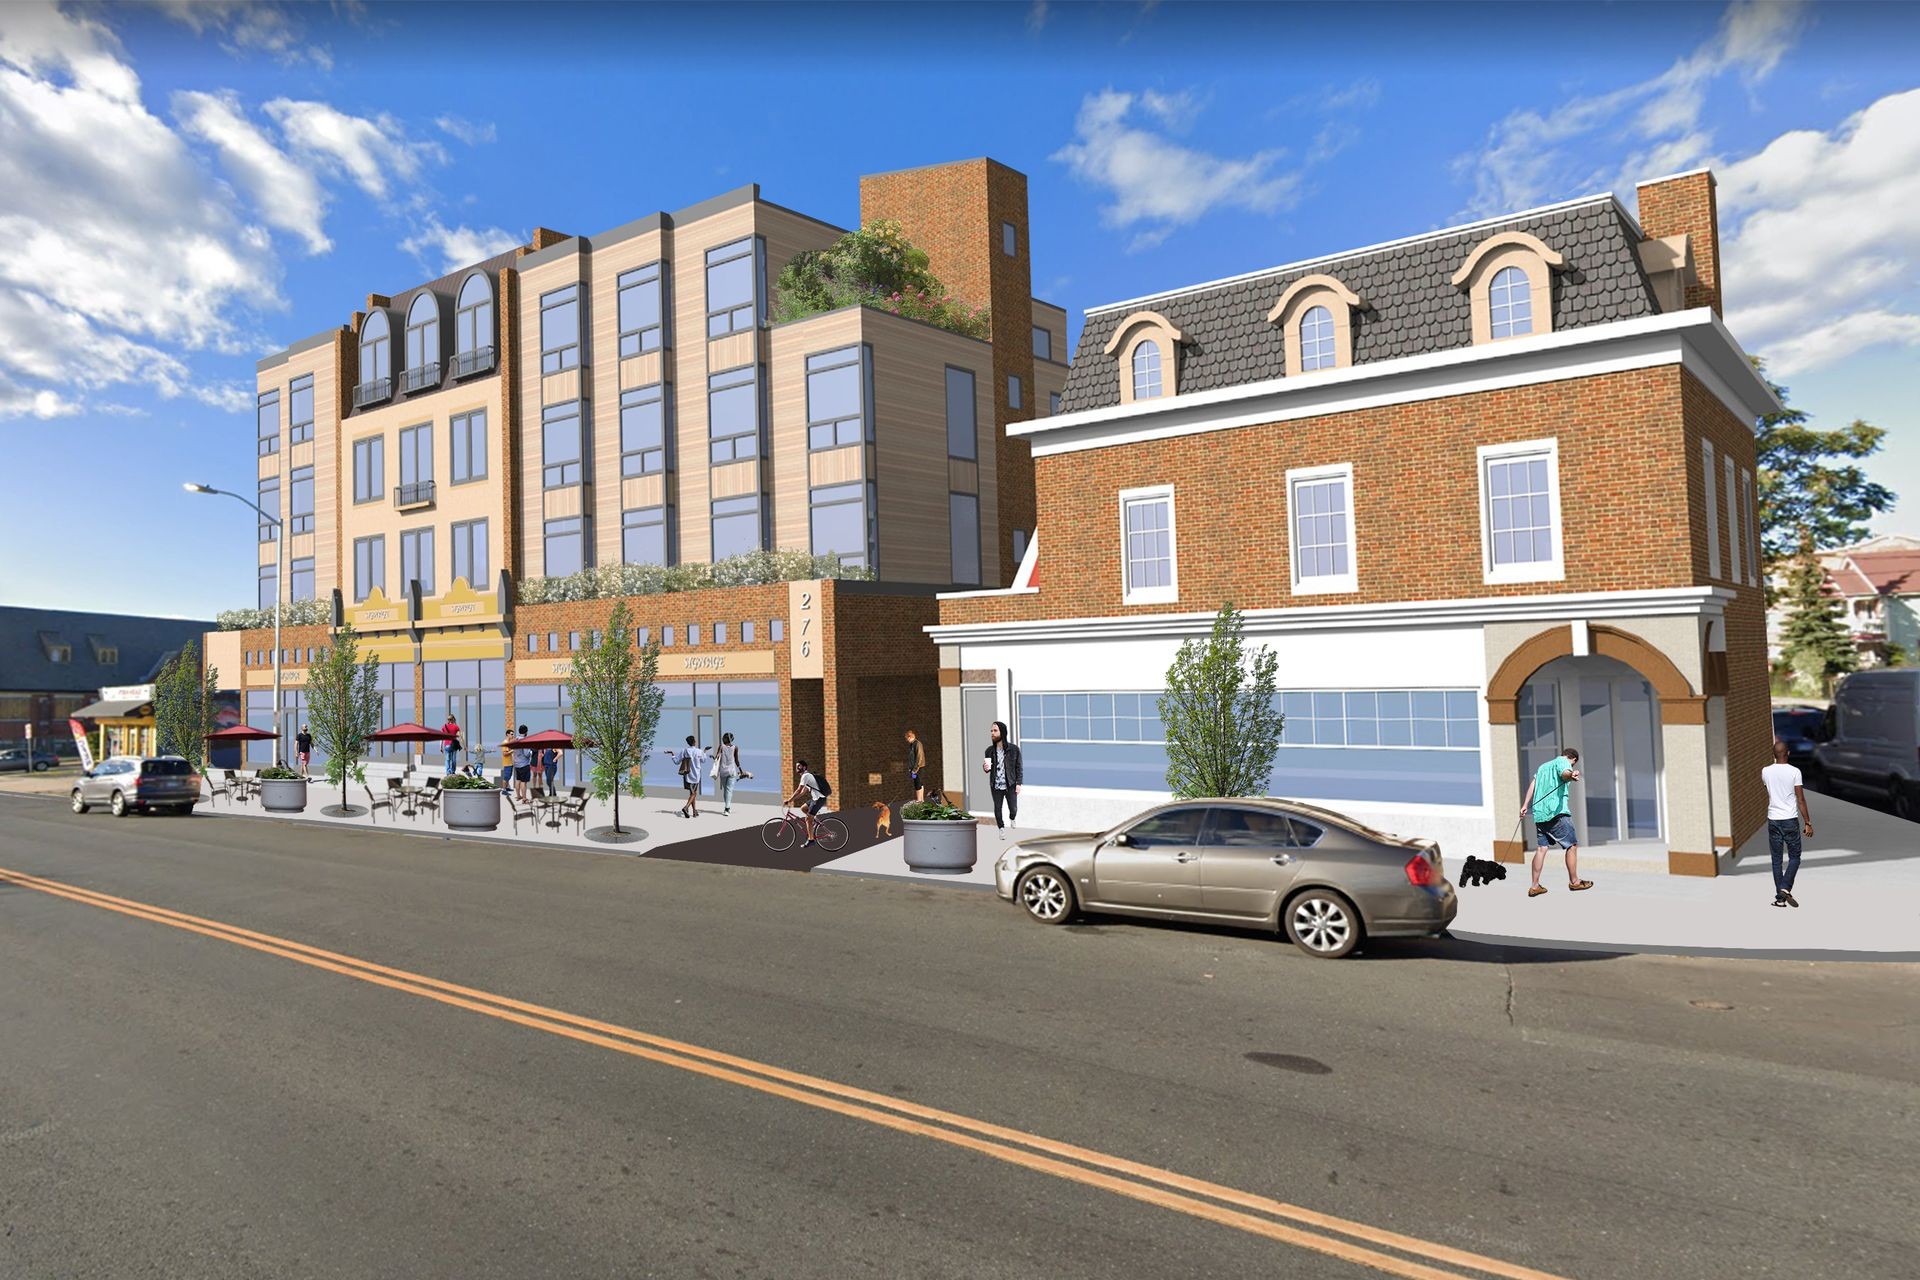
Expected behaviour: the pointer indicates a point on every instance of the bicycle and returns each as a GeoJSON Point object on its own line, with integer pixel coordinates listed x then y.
{"type": "Point", "coordinates": [778, 834]}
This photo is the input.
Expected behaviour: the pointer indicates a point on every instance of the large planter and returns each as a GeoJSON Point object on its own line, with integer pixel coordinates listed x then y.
{"type": "Point", "coordinates": [941, 848]}
{"type": "Point", "coordinates": [466, 809]}
{"type": "Point", "coordinates": [283, 795]}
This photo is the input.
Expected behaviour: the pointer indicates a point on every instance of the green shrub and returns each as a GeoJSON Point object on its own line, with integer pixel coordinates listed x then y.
{"type": "Point", "coordinates": [279, 773]}
{"type": "Point", "coordinates": [933, 811]}
{"type": "Point", "coordinates": [876, 266]}
{"type": "Point", "coordinates": [465, 782]}
{"type": "Point", "coordinates": [293, 613]}
{"type": "Point", "coordinates": [754, 568]}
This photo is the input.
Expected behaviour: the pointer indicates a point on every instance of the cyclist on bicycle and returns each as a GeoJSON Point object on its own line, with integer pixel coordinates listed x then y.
{"type": "Point", "coordinates": [808, 797]}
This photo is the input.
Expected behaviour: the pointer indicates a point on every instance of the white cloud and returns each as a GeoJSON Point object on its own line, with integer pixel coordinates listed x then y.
{"type": "Point", "coordinates": [1822, 254]}
{"type": "Point", "coordinates": [471, 132]}
{"type": "Point", "coordinates": [251, 26]}
{"type": "Point", "coordinates": [1156, 184]}
{"type": "Point", "coordinates": [19, 402]}
{"type": "Point", "coordinates": [1532, 156]}
{"type": "Point", "coordinates": [287, 194]}
{"type": "Point", "coordinates": [372, 152]}
{"type": "Point", "coordinates": [458, 246]}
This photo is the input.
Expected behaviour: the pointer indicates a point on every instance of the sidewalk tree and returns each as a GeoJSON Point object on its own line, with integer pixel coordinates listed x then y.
{"type": "Point", "coordinates": [1221, 714]}
{"type": "Point", "coordinates": [184, 700]}
{"type": "Point", "coordinates": [343, 707]}
{"type": "Point", "coordinates": [616, 708]}
{"type": "Point", "coordinates": [1814, 641]}
{"type": "Point", "coordinates": [1809, 484]}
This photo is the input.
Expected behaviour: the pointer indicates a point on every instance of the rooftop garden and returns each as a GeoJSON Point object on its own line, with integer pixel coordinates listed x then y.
{"type": "Point", "coordinates": [755, 568]}
{"type": "Point", "coordinates": [293, 613]}
{"type": "Point", "coordinates": [878, 267]}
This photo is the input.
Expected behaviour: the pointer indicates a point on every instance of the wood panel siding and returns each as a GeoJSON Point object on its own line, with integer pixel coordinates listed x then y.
{"type": "Point", "coordinates": [790, 346]}
{"type": "Point", "coordinates": [836, 466]}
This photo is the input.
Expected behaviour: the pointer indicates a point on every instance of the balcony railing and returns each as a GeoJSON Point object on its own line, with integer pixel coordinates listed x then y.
{"type": "Point", "coordinates": [372, 392]}
{"type": "Point", "coordinates": [420, 377]}
{"type": "Point", "coordinates": [418, 494]}
{"type": "Point", "coordinates": [468, 363]}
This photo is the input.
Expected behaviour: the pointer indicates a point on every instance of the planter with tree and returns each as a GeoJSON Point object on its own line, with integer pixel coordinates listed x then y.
{"type": "Point", "coordinates": [616, 711]}
{"type": "Point", "coordinates": [939, 839]}
{"type": "Point", "coordinates": [343, 707]}
{"type": "Point", "coordinates": [282, 790]}
{"type": "Point", "coordinates": [469, 803]}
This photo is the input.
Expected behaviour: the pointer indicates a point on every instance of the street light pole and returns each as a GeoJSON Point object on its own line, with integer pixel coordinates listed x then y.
{"type": "Point", "coordinates": [279, 584]}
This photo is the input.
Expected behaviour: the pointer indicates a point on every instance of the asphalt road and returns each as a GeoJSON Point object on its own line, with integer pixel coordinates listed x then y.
{"type": "Point", "coordinates": [178, 1104]}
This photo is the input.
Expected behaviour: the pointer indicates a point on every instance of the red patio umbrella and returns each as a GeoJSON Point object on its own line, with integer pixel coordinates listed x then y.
{"type": "Point", "coordinates": [241, 733]}
{"type": "Point", "coordinates": [544, 738]}
{"type": "Point", "coordinates": [411, 733]}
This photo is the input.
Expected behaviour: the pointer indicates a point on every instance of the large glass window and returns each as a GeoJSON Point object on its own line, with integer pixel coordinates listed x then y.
{"type": "Point", "coordinates": [642, 311]}
{"type": "Point", "coordinates": [423, 342]}
{"type": "Point", "coordinates": [562, 444]}
{"type": "Point", "coordinates": [376, 354]}
{"type": "Point", "coordinates": [369, 566]}
{"type": "Point", "coordinates": [269, 502]}
{"type": "Point", "coordinates": [300, 578]}
{"type": "Point", "coordinates": [300, 409]}
{"type": "Point", "coordinates": [1146, 370]}
{"type": "Point", "coordinates": [733, 277]}
{"type": "Point", "coordinates": [963, 435]}
{"type": "Point", "coordinates": [733, 415]}
{"type": "Point", "coordinates": [1091, 717]}
{"type": "Point", "coordinates": [1322, 527]}
{"type": "Point", "coordinates": [963, 526]}
{"type": "Point", "coordinates": [839, 520]}
{"type": "Point", "coordinates": [470, 552]}
{"type": "Point", "coordinates": [1510, 303]}
{"type": "Point", "coordinates": [1148, 522]}
{"type": "Point", "coordinates": [473, 326]}
{"type": "Point", "coordinates": [565, 546]}
{"type": "Point", "coordinates": [1380, 718]}
{"type": "Point", "coordinates": [395, 683]}
{"type": "Point", "coordinates": [269, 585]}
{"type": "Point", "coordinates": [836, 383]}
{"type": "Point", "coordinates": [1316, 339]}
{"type": "Point", "coordinates": [416, 463]}
{"type": "Point", "coordinates": [643, 430]}
{"type": "Point", "coordinates": [416, 558]}
{"type": "Point", "coordinates": [643, 536]}
{"type": "Point", "coordinates": [736, 526]}
{"type": "Point", "coordinates": [469, 446]}
{"type": "Point", "coordinates": [560, 329]}
{"type": "Point", "coordinates": [267, 419]}
{"type": "Point", "coordinates": [369, 469]}
{"type": "Point", "coordinates": [300, 500]}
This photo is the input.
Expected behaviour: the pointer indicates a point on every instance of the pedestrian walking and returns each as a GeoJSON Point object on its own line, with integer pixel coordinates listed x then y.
{"type": "Point", "coordinates": [1546, 803]}
{"type": "Point", "coordinates": [1001, 763]}
{"type": "Point", "coordinates": [522, 766]}
{"type": "Point", "coordinates": [550, 765]}
{"type": "Point", "coordinates": [916, 762]}
{"type": "Point", "coordinates": [691, 761]}
{"type": "Point", "coordinates": [452, 745]}
{"type": "Point", "coordinates": [727, 769]}
{"type": "Point", "coordinates": [303, 743]}
{"type": "Point", "coordinates": [1787, 821]}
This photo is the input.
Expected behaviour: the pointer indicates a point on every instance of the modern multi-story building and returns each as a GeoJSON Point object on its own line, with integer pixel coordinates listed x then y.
{"type": "Point", "coordinates": [1487, 491]}
{"type": "Point", "coordinates": [623, 398]}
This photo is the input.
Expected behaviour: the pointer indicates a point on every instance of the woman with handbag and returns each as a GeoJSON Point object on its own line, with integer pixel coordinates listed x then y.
{"type": "Point", "coordinates": [727, 769]}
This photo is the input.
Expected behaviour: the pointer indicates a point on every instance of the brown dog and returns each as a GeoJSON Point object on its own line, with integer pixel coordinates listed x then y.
{"type": "Point", "coordinates": [883, 819]}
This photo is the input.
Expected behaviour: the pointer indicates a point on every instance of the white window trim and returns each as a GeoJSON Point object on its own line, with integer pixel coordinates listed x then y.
{"type": "Point", "coordinates": [1734, 538]}
{"type": "Point", "coordinates": [1170, 593]}
{"type": "Point", "coordinates": [1713, 510]}
{"type": "Point", "coordinates": [1554, 570]}
{"type": "Point", "coordinates": [1331, 583]}
{"type": "Point", "coordinates": [1751, 514]}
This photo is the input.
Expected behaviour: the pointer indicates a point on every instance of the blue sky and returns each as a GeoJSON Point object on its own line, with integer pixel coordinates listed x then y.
{"type": "Point", "coordinates": [186, 186]}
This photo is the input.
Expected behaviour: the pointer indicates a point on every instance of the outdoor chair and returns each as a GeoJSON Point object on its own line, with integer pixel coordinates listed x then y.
{"type": "Point", "coordinates": [528, 814]}
{"type": "Point", "coordinates": [241, 785]}
{"type": "Point", "coordinates": [429, 798]}
{"type": "Point", "coordinates": [397, 795]}
{"type": "Point", "coordinates": [217, 788]}
{"type": "Point", "coordinates": [375, 803]}
{"type": "Point", "coordinates": [574, 807]}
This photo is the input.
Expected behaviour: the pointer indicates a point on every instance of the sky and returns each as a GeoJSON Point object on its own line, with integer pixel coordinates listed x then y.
{"type": "Point", "coordinates": [185, 187]}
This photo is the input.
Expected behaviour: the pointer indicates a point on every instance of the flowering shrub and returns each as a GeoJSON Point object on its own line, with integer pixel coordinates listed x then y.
{"type": "Point", "coordinates": [876, 266]}
{"type": "Point", "coordinates": [293, 613]}
{"type": "Point", "coordinates": [755, 568]}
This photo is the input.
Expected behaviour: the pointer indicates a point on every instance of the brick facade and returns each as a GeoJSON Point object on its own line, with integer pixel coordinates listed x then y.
{"type": "Point", "coordinates": [1687, 206]}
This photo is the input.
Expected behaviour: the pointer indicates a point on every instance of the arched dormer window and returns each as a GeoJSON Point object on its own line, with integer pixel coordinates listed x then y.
{"type": "Point", "coordinates": [473, 327]}
{"type": "Point", "coordinates": [422, 364]}
{"type": "Point", "coordinates": [1146, 370]}
{"type": "Point", "coordinates": [1509, 282]}
{"type": "Point", "coordinates": [1146, 347]}
{"type": "Point", "coordinates": [376, 360]}
{"type": "Point", "coordinates": [1315, 316]}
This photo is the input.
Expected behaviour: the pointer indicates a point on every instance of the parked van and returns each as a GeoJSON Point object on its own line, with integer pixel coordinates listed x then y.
{"type": "Point", "coordinates": [1875, 739]}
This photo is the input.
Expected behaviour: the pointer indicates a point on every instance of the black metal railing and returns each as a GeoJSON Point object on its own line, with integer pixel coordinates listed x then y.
{"type": "Point", "coordinates": [372, 392]}
{"type": "Point", "coordinates": [421, 376]}
{"type": "Point", "coordinates": [468, 363]}
{"type": "Point", "coordinates": [413, 495]}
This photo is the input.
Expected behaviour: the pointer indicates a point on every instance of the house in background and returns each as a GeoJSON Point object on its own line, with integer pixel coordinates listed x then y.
{"type": "Point", "coordinates": [1878, 584]}
{"type": "Point", "coordinates": [54, 664]}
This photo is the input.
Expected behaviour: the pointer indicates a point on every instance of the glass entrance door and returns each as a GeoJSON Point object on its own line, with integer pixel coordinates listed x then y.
{"type": "Point", "coordinates": [1609, 714]}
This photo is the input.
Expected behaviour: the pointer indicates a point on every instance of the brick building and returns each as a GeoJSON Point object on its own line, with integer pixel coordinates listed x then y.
{"type": "Point", "coordinates": [624, 399]}
{"type": "Point", "coordinates": [1486, 491]}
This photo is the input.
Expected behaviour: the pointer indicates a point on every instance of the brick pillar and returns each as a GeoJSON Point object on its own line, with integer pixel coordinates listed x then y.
{"type": "Point", "coordinates": [1685, 205]}
{"type": "Point", "coordinates": [955, 213]}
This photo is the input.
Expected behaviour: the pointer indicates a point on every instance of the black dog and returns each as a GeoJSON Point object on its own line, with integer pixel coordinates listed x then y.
{"type": "Point", "coordinates": [1480, 871]}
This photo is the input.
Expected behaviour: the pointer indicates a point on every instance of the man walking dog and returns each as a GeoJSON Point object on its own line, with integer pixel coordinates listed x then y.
{"type": "Point", "coordinates": [1546, 803]}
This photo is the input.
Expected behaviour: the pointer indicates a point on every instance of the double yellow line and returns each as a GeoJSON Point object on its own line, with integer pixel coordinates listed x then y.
{"type": "Point", "coordinates": [1355, 1242]}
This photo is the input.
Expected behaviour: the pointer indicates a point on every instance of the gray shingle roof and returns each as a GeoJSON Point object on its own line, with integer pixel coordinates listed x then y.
{"type": "Point", "coordinates": [1409, 305]}
{"type": "Point", "coordinates": [142, 644]}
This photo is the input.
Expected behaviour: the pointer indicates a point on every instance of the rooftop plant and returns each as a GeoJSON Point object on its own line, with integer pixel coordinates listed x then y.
{"type": "Point", "coordinates": [293, 613]}
{"type": "Point", "coordinates": [876, 266]}
{"type": "Point", "coordinates": [755, 568]}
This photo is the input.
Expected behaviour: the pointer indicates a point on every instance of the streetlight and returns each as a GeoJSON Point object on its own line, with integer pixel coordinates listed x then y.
{"type": "Point", "coordinates": [279, 583]}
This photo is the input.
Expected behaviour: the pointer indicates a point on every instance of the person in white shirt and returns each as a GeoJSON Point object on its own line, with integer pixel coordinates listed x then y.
{"type": "Point", "coordinates": [1787, 821]}
{"type": "Point", "coordinates": [691, 761]}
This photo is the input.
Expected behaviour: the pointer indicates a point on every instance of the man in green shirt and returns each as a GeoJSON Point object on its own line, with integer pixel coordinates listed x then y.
{"type": "Point", "coordinates": [1546, 804]}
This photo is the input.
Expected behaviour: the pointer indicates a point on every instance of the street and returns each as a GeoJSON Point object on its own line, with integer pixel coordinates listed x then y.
{"type": "Point", "coordinates": [721, 1071]}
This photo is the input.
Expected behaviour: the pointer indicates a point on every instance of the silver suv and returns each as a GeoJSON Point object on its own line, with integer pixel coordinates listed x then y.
{"type": "Point", "coordinates": [150, 784]}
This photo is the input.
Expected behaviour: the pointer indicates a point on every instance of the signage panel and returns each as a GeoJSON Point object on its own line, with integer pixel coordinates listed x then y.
{"type": "Point", "coordinates": [804, 655]}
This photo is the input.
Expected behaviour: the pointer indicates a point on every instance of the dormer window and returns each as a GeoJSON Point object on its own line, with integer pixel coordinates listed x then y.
{"type": "Point", "coordinates": [376, 360]}
{"type": "Point", "coordinates": [473, 327]}
{"type": "Point", "coordinates": [1146, 347]}
{"type": "Point", "coordinates": [423, 343]}
{"type": "Point", "coordinates": [1508, 279]}
{"type": "Point", "coordinates": [1315, 316]}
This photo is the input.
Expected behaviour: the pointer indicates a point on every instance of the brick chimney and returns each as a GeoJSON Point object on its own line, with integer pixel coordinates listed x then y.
{"type": "Point", "coordinates": [544, 237]}
{"type": "Point", "coordinates": [1684, 205]}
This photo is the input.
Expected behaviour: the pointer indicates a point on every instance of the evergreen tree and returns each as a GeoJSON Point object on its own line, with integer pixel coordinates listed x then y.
{"type": "Point", "coordinates": [1814, 640]}
{"type": "Point", "coordinates": [1221, 714]}
{"type": "Point", "coordinates": [616, 708]}
{"type": "Point", "coordinates": [1809, 484]}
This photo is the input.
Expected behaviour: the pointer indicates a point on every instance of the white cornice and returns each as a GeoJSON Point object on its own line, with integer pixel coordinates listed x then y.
{"type": "Point", "coordinates": [1695, 339]}
{"type": "Point", "coordinates": [1568, 607]}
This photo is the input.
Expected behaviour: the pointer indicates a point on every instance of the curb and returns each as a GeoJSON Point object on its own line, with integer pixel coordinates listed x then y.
{"type": "Point", "coordinates": [1662, 949]}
